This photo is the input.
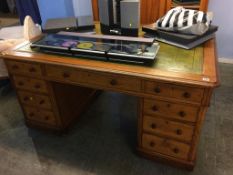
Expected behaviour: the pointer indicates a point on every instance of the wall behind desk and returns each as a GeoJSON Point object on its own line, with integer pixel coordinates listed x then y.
{"type": "Point", "coordinates": [64, 8]}
{"type": "Point", "coordinates": [55, 9]}
{"type": "Point", "coordinates": [223, 13]}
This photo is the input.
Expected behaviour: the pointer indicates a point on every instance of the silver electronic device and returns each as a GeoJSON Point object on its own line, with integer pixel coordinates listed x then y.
{"type": "Point", "coordinates": [119, 17]}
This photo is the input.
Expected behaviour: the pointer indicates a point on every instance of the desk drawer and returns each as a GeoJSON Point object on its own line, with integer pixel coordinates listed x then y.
{"type": "Point", "coordinates": [29, 69]}
{"type": "Point", "coordinates": [30, 84]}
{"type": "Point", "coordinates": [38, 115]}
{"type": "Point", "coordinates": [114, 81]}
{"type": "Point", "coordinates": [94, 78]}
{"type": "Point", "coordinates": [165, 146]}
{"type": "Point", "coordinates": [181, 112]}
{"type": "Point", "coordinates": [40, 101]}
{"type": "Point", "coordinates": [174, 91]}
{"type": "Point", "coordinates": [65, 74]}
{"type": "Point", "coordinates": [168, 128]}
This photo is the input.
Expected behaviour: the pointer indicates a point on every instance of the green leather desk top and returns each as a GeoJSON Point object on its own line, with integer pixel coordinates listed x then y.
{"type": "Point", "coordinates": [169, 58]}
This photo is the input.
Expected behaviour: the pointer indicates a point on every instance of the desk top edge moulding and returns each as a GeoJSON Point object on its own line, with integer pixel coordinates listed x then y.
{"type": "Point", "coordinates": [174, 94]}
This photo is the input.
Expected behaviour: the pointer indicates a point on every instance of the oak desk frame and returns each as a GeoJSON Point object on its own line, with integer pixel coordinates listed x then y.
{"type": "Point", "coordinates": [53, 90]}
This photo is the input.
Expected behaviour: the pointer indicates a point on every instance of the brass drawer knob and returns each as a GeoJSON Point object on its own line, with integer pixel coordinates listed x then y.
{"type": "Point", "coordinates": [186, 95]}
{"type": "Point", "coordinates": [113, 82]}
{"type": "Point", "coordinates": [32, 69]}
{"type": "Point", "coordinates": [66, 75]}
{"type": "Point", "coordinates": [176, 150]}
{"type": "Point", "coordinates": [182, 114]}
{"type": "Point", "coordinates": [157, 90]}
{"type": "Point", "coordinates": [155, 108]}
{"type": "Point", "coordinates": [179, 132]}
{"type": "Point", "coordinates": [152, 144]}
{"type": "Point", "coordinates": [153, 126]}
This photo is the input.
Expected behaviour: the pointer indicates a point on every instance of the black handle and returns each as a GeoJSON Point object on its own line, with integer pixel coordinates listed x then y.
{"type": "Point", "coordinates": [157, 90]}
{"type": "Point", "coordinates": [182, 114]}
{"type": "Point", "coordinates": [113, 82]}
{"type": "Point", "coordinates": [155, 108]}
{"type": "Point", "coordinates": [176, 150]}
{"type": "Point", "coordinates": [152, 144]}
{"type": "Point", "coordinates": [179, 132]}
{"type": "Point", "coordinates": [186, 95]}
{"type": "Point", "coordinates": [42, 102]}
{"type": "Point", "coordinates": [153, 126]}
{"type": "Point", "coordinates": [66, 75]}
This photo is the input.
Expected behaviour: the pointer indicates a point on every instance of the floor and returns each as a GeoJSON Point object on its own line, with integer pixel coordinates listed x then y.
{"type": "Point", "coordinates": [104, 139]}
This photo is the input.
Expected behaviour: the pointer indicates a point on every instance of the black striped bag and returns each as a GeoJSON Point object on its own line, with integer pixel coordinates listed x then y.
{"type": "Point", "coordinates": [185, 21]}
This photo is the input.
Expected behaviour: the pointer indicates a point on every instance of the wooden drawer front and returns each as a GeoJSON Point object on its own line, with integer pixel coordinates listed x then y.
{"type": "Point", "coordinates": [165, 146]}
{"type": "Point", "coordinates": [158, 89]}
{"type": "Point", "coordinates": [65, 74]}
{"type": "Point", "coordinates": [30, 84]}
{"type": "Point", "coordinates": [173, 91]}
{"type": "Point", "coordinates": [168, 128]}
{"type": "Point", "coordinates": [29, 69]}
{"type": "Point", "coordinates": [188, 93]}
{"type": "Point", "coordinates": [40, 101]}
{"type": "Point", "coordinates": [93, 78]}
{"type": "Point", "coordinates": [40, 115]}
{"type": "Point", "coordinates": [112, 81]}
{"type": "Point", "coordinates": [171, 110]}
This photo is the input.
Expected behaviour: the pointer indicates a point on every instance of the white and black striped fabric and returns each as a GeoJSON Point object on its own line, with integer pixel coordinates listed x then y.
{"type": "Point", "coordinates": [184, 20]}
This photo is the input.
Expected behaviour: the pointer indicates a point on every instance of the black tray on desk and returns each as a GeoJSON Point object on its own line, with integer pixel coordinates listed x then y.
{"type": "Point", "coordinates": [109, 48]}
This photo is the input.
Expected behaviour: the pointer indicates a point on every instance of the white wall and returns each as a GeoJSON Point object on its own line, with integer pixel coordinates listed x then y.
{"type": "Point", "coordinates": [223, 17]}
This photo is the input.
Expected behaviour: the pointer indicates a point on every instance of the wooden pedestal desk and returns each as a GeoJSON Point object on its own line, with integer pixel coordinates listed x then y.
{"type": "Point", "coordinates": [174, 94]}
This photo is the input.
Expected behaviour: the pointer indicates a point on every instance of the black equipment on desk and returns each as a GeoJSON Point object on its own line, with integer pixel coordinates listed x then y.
{"type": "Point", "coordinates": [178, 39]}
{"type": "Point", "coordinates": [81, 23]}
{"type": "Point", "coordinates": [119, 17]}
{"type": "Point", "coordinates": [108, 48]}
